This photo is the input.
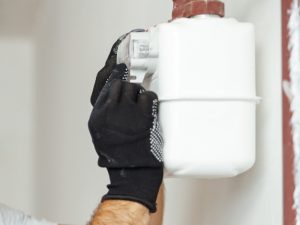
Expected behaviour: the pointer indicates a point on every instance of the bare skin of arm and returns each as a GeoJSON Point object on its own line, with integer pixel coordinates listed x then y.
{"type": "Point", "coordinates": [119, 212]}
{"type": "Point", "coordinates": [157, 218]}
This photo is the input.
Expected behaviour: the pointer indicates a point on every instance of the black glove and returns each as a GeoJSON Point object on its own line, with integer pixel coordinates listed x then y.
{"type": "Point", "coordinates": [124, 125]}
{"type": "Point", "coordinates": [106, 71]}
{"type": "Point", "coordinates": [126, 134]}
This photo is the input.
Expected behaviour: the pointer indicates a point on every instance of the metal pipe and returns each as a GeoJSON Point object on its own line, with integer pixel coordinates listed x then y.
{"type": "Point", "coordinates": [189, 8]}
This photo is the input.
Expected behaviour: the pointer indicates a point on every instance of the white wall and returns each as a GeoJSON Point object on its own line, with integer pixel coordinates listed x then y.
{"type": "Point", "coordinates": [17, 91]}
{"type": "Point", "coordinates": [72, 40]}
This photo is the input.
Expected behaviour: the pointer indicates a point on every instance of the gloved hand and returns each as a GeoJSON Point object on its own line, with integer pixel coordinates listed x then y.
{"type": "Point", "coordinates": [106, 71]}
{"type": "Point", "coordinates": [126, 134]}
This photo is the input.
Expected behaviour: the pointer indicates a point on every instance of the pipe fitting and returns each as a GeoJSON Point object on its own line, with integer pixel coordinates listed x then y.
{"type": "Point", "coordinates": [189, 8]}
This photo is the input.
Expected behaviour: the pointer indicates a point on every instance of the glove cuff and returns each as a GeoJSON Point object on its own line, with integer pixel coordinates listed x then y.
{"type": "Point", "coordinates": [151, 206]}
{"type": "Point", "coordinates": [135, 184]}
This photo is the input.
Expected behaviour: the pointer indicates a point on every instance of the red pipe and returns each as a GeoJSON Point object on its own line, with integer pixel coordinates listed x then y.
{"type": "Point", "coordinates": [289, 213]}
{"type": "Point", "coordinates": [189, 8]}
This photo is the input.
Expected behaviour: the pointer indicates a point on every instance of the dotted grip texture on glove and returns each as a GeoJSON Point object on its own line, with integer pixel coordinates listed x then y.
{"type": "Point", "coordinates": [125, 129]}
{"type": "Point", "coordinates": [125, 120]}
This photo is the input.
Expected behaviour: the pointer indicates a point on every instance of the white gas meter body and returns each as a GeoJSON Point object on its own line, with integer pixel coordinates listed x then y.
{"type": "Point", "coordinates": [203, 70]}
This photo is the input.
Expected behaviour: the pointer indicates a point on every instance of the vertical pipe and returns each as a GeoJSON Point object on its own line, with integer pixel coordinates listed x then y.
{"type": "Point", "coordinates": [288, 148]}
{"type": "Point", "coordinates": [189, 8]}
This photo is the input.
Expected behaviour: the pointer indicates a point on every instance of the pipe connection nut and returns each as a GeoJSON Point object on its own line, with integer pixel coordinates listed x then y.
{"type": "Point", "coordinates": [189, 8]}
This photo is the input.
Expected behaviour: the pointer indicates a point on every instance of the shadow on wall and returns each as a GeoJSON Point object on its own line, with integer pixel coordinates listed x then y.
{"type": "Point", "coordinates": [17, 17]}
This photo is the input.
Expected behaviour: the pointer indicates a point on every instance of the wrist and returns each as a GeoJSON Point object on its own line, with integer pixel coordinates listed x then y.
{"type": "Point", "coordinates": [140, 185]}
{"type": "Point", "coordinates": [115, 212]}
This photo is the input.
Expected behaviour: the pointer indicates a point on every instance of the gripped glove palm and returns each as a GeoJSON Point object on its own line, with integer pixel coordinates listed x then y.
{"type": "Point", "coordinates": [126, 134]}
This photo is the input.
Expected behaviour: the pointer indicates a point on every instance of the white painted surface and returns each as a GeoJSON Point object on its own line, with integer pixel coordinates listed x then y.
{"type": "Point", "coordinates": [11, 216]}
{"type": "Point", "coordinates": [16, 17]}
{"type": "Point", "coordinates": [71, 47]}
{"type": "Point", "coordinates": [73, 39]}
{"type": "Point", "coordinates": [17, 91]}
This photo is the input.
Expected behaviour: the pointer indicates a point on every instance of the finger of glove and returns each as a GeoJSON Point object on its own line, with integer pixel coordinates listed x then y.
{"type": "Point", "coordinates": [105, 72]}
{"type": "Point", "coordinates": [130, 91]}
{"type": "Point", "coordinates": [101, 80]}
{"type": "Point", "coordinates": [115, 91]}
{"type": "Point", "coordinates": [148, 101]}
{"type": "Point", "coordinates": [102, 97]}
{"type": "Point", "coordinates": [110, 63]}
{"type": "Point", "coordinates": [119, 72]}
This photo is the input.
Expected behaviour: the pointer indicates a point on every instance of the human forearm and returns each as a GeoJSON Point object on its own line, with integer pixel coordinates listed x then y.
{"type": "Point", "coordinates": [157, 218]}
{"type": "Point", "coordinates": [120, 212]}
